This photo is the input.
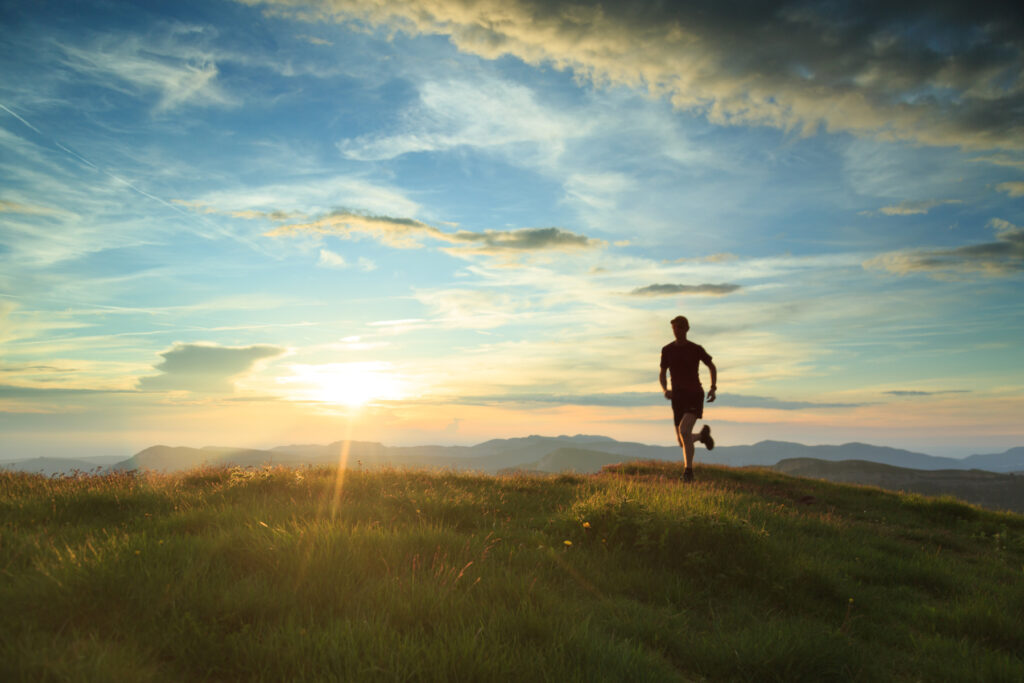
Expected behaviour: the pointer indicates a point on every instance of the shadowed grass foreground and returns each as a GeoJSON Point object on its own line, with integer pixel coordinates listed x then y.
{"type": "Point", "coordinates": [277, 574]}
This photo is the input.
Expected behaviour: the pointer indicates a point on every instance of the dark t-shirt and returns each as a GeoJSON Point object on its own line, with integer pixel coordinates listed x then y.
{"type": "Point", "coordinates": [682, 361]}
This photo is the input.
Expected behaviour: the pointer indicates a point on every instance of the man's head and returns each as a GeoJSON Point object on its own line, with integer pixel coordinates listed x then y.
{"type": "Point", "coordinates": [680, 326]}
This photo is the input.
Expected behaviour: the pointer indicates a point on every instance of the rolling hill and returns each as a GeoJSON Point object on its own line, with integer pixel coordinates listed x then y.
{"type": "Point", "coordinates": [992, 490]}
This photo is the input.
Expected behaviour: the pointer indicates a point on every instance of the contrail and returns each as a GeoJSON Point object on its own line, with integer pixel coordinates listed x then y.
{"type": "Point", "coordinates": [21, 119]}
{"type": "Point", "coordinates": [177, 209]}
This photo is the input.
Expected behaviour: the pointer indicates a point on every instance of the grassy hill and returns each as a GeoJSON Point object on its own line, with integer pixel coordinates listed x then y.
{"type": "Point", "coordinates": [567, 460]}
{"type": "Point", "coordinates": [991, 490]}
{"type": "Point", "coordinates": [630, 575]}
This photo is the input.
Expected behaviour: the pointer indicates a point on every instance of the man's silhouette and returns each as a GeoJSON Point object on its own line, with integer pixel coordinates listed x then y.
{"type": "Point", "coordinates": [682, 359]}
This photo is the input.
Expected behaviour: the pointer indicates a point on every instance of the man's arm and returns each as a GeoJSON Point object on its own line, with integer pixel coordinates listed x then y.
{"type": "Point", "coordinates": [714, 380]}
{"type": "Point", "coordinates": [663, 378]}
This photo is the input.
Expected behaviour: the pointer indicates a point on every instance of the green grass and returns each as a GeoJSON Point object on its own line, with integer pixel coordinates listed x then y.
{"type": "Point", "coordinates": [631, 575]}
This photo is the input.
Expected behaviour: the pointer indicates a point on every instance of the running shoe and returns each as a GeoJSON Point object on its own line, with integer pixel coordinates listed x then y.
{"type": "Point", "coordinates": [705, 438]}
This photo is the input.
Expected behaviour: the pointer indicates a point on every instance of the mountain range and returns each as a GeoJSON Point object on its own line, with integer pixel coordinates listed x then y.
{"type": "Point", "coordinates": [580, 453]}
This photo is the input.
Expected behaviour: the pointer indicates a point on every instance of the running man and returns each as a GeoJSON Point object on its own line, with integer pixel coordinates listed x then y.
{"type": "Point", "coordinates": [682, 358]}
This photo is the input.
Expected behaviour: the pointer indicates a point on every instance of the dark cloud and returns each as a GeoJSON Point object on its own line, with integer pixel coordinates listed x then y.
{"type": "Point", "coordinates": [673, 290]}
{"type": "Point", "coordinates": [1004, 256]}
{"type": "Point", "coordinates": [31, 368]}
{"type": "Point", "coordinates": [939, 73]}
{"type": "Point", "coordinates": [205, 367]}
{"type": "Point", "coordinates": [911, 392]}
{"type": "Point", "coordinates": [524, 239]}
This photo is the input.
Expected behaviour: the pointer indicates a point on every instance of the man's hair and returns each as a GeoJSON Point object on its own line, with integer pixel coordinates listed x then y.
{"type": "Point", "coordinates": [680, 319]}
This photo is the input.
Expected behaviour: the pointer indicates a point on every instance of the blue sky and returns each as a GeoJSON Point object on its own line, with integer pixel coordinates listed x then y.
{"type": "Point", "coordinates": [261, 223]}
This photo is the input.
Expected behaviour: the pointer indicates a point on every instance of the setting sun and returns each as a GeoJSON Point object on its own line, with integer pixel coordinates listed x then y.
{"type": "Point", "coordinates": [350, 384]}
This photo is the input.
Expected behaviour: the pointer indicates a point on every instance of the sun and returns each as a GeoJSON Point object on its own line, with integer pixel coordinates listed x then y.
{"type": "Point", "coordinates": [350, 384]}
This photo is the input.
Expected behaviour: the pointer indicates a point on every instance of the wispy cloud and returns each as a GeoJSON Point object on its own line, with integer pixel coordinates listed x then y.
{"type": "Point", "coordinates": [844, 67]}
{"type": "Point", "coordinates": [314, 40]}
{"type": "Point", "coordinates": [31, 209]}
{"type": "Point", "coordinates": [742, 401]}
{"type": "Point", "coordinates": [408, 233]}
{"type": "Point", "coordinates": [205, 367]}
{"type": "Point", "coordinates": [911, 208]}
{"type": "Point", "coordinates": [485, 114]}
{"type": "Point", "coordinates": [180, 74]}
{"type": "Point", "coordinates": [317, 193]}
{"type": "Point", "coordinates": [1002, 257]}
{"type": "Point", "coordinates": [676, 290]}
{"type": "Point", "coordinates": [1014, 188]}
{"type": "Point", "coordinates": [642, 399]}
{"type": "Point", "coordinates": [400, 233]}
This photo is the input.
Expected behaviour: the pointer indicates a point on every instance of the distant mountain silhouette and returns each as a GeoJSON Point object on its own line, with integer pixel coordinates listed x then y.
{"type": "Point", "coordinates": [1011, 460]}
{"type": "Point", "coordinates": [526, 452]}
{"type": "Point", "coordinates": [53, 466]}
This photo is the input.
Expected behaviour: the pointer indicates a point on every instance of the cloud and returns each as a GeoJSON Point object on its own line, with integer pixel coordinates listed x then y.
{"type": "Point", "coordinates": [407, 233]}
{"type": "Point", "coordinates": [636, 399]}
{"type": "Point", "coordinates": [523, 239]}
{"type": "Point", "coordinates": [948, 74]}
{"type": "Point", "coordinates": [741, 401]}
{"type": "Point", "coordinates": [400, 233]}
{"type": "Point", "coordinates": [329, 259]}
{"type": "Point", "coordinates": [480, 113]}
{"type": "Point", "coordinates": [913, 392]}
{"type": "Point", "coordinates": [16, 207]}
{"type": "Point", "coordinates": [1001, 159]}
{"type": "Point", "coordinates": [181, 74]}
{"type": "Point", "coordinates": [1004, 256]}
{"type": "Point", "coordinates": [676, 290]}
{"type": "Point", "coordinates": [472, 308]}
{"type": "Point", "coordinates": [910, 208]}
{"type": "Point", "coordinates": [313, 40]}
{"type": "Point", "coordinates": [1014, 189]}
{"type": "Point", "coordinates": [205, 367]}
{"type": "Point", "coordinates": [248, 214]}
{"type": "Point", "coordinates": [305, 196]}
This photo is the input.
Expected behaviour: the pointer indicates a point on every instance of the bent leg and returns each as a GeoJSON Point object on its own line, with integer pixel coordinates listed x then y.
{"type": "Point", "coordinates": [684, 434]}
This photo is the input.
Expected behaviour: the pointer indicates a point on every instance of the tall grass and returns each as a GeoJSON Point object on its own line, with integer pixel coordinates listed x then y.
{"type": "Point", "coordinates": [312, 574]}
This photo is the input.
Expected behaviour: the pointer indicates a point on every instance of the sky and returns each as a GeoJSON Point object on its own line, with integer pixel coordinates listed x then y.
{"type": "Point", "coordinates": [272, 222]}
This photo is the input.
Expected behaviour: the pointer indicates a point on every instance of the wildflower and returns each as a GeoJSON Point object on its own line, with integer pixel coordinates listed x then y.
{"type": "Point", "coordinates": [586, 525]}
{"type": "Point", "coordinates": [567, 542]}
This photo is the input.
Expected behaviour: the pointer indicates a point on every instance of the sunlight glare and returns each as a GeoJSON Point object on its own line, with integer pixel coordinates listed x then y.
{"type": "Point", "coordinates": [350, 384]}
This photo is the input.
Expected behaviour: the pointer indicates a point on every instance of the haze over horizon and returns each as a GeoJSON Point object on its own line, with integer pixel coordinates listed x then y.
{"type": "Point", "coordinates": [258, 223]}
